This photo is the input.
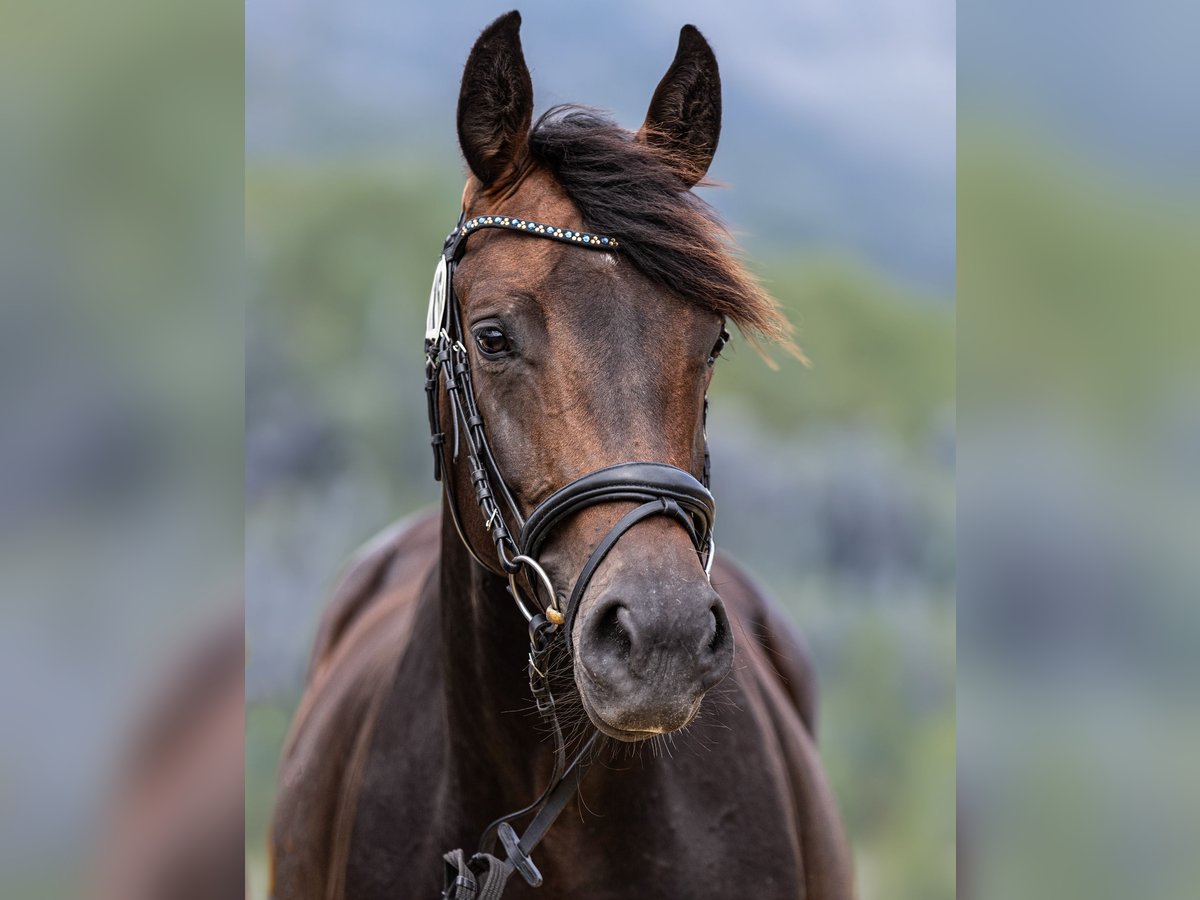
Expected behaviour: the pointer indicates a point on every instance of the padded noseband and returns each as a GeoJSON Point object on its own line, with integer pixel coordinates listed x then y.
{"type": "Point", "coordinates": [660, 489]}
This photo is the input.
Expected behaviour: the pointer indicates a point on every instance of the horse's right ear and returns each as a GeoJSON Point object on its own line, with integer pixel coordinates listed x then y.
{"type": "Point", "coordinates": [495, 104]}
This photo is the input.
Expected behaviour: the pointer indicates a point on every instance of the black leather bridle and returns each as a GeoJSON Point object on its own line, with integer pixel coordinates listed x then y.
{"type": "Point", "coordinates": [657, 488]}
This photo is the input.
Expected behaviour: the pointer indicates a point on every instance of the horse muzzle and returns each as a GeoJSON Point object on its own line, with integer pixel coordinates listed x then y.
{"type": "Point", "coordinates": [651, 641]}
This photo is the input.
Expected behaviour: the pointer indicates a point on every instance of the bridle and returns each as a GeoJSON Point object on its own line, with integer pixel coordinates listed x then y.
{"type": "Point", "coordinates": [658, 489]}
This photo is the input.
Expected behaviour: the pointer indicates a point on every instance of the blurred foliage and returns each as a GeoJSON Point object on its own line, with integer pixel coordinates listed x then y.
{"type": "Point", "coordinates": [1072, 279]}
{"type": "Point", "coordinates": [880, 355]}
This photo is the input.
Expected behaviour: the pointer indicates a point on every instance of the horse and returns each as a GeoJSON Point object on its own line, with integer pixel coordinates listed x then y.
{"type": "Point", "coordinates": [576, 318]}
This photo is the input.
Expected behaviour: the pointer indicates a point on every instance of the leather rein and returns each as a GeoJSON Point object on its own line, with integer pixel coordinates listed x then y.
{"type": "Point", "coordinates": [657, 488]}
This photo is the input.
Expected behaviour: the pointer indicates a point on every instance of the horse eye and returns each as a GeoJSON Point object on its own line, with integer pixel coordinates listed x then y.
{"type": "Point", "coordinates": [718, 347]}
{"type": "Point", "coordinates": [492, 341]}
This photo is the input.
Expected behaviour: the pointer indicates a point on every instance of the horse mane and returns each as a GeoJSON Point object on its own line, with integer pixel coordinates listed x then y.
{"type": "Point", "coordinates": [632, 190]}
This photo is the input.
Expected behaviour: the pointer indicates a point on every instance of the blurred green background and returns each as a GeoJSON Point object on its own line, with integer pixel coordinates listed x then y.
{"type": "Point", "coordinates": [1079, 450]}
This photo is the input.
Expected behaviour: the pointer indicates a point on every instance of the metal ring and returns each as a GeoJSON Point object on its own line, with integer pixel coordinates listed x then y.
{"type": "Point", "coordinates": [553, 614]}
{"type": "Point", "coordinates": [516, 595]}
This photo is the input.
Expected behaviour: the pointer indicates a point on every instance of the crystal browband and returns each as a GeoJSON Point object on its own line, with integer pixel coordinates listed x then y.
{"type": "Point", "coordinates": [566, 235]}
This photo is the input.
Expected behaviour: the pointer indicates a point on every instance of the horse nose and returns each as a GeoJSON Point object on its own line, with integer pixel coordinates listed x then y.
{"type": "Point", "coordinates": [650, 655]}
{"type": "Point", "coordinates": [647, 637]}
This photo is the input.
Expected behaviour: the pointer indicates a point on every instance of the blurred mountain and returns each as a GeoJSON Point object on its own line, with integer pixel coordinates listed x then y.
{"type": "Point", "coordinates": [839, 118]}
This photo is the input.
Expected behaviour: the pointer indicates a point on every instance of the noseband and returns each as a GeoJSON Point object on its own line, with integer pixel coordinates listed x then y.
{"type": "Point", "coordinates": [657, 489]}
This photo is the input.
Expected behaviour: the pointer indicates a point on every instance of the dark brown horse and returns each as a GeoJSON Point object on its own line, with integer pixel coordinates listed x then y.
{"type": "Point", "coordinates": [417, 728]}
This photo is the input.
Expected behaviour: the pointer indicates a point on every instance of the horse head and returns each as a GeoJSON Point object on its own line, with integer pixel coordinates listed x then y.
{"type": "Point", "coordinates": [582, 359]}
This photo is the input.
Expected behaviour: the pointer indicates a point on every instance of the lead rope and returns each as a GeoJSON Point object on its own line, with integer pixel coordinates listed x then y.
{"type": "Point", "coordinates": [484, 876]}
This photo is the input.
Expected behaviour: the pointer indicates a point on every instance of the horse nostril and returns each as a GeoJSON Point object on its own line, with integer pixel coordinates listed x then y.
{"type": "Point", "coordinates": [612, 633]}
{"type": "Point", "coordinates": [719, 646]}
{"type": "Point", "coordinates": [717, 626]}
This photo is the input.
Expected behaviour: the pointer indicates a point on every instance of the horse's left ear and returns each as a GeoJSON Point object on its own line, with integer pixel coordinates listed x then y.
{"type": "Point", "coordinates": [495, 104]}
{"type": "Point", "coordinates": [685, 112]}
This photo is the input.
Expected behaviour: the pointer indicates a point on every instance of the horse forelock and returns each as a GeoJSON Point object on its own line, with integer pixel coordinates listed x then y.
{"type": "Point", "coordinates": [626, 187]}
{"type": "Point", "coordinates": [631, 189]}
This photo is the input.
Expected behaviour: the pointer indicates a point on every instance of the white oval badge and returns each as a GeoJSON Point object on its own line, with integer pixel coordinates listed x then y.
{"type": "Point", "coordinates": [437, 301]}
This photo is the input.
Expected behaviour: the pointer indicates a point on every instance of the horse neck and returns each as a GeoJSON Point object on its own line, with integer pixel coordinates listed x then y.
{"type": "Point", "coordinates": [484, 645]}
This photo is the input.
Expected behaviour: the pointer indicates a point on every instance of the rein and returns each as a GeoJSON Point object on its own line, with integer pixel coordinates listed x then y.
{"type": "Point", "coordinates": [657, 488]}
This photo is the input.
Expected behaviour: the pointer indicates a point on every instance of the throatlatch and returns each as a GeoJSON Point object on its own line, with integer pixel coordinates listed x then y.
{"type": "Point", "coordinates": [657, 488]}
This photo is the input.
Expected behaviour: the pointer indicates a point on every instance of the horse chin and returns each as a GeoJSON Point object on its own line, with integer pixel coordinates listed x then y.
{"type": "Point", "coordinates": [632, 735]}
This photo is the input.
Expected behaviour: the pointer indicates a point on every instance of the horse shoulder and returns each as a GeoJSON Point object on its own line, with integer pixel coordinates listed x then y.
{"type": "Point", "coordinates": [771, 637]}
{"type": "Point", "coordinates": [401, 554]}
{"type": "Point", "coordinates": [360, 641]}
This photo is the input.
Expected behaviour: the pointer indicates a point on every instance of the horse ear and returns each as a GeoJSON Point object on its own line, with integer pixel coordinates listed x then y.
{"type": "Point", "coordinates": [495, 104]}
{"type": "Point", "coordinates": [685, 112]}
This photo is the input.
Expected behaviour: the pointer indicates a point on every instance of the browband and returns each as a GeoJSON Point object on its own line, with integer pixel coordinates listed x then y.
{"type": "Point", "coordinates": [540, 229]}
